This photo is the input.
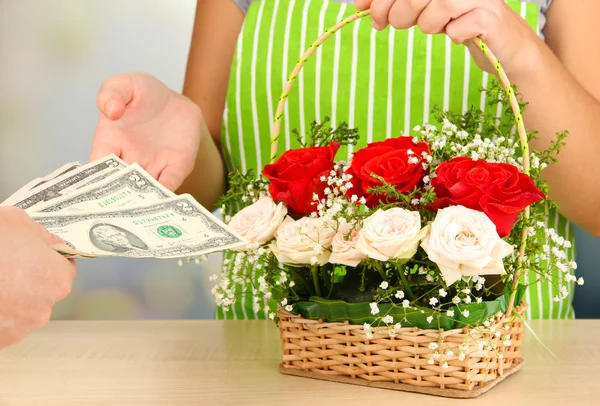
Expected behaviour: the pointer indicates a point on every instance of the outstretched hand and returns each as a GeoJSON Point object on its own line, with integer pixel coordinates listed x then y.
{"type": "Point", "coordinates": [143, 121]}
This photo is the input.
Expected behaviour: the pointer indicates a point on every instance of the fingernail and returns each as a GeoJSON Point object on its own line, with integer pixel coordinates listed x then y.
{"type": "Point", "coordinates": [110, 106]}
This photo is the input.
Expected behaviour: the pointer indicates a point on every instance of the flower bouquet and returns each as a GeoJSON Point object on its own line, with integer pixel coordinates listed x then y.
{"type": "Point", "coordinates": [403, 267]}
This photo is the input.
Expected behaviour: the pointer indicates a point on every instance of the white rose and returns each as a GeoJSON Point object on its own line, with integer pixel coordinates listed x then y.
{"type": "Point", "coordinates": [394, 233]}
{"type": "Point", "coordinates": [464, 242]}
{"type": "Point", "coordinates": [258, 222]}
{"type": "Point", "coordinates": [343, 246]}
{"type": "Point", "coordinates": [306, 241]}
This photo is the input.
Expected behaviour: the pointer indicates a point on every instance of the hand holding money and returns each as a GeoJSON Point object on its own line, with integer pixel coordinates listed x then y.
{"type": "Point", "coordinates": [109, 208]}
{"type": "Point", "coordinates": [33, 277]}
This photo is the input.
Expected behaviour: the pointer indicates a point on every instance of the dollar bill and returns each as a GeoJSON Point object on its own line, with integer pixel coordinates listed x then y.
{"type": "Point", "coordinates": [176, 227]}
{"type": "Point", "coordinates": [126, 188]}
{"type": "Point", "coordinates": [24, 191]}
{"type": "Point", "coordinates": [70, 181]}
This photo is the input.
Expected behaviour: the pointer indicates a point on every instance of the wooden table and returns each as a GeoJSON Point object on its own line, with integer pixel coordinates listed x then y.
{"type": "Point", "coordinates": [236, 363]}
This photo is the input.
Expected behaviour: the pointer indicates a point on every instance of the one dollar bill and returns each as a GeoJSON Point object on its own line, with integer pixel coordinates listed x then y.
{"type": "Point", "coordinates": [176, 227]}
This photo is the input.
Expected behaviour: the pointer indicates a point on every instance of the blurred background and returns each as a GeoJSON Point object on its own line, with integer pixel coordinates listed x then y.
{"type": "Point", "coordinates": [54, 56]}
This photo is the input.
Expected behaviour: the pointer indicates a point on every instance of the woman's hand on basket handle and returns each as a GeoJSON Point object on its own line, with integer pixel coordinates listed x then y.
{"type": "Point", "coordinates": [513, 42]}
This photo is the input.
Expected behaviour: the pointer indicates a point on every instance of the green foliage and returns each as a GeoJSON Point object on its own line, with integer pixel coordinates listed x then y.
{"type": "Point", "coordinates": [322, 134]}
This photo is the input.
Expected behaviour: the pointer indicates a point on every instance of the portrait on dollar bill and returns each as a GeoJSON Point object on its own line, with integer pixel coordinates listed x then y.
{"type": "Point", "coordinates": [112, 238]}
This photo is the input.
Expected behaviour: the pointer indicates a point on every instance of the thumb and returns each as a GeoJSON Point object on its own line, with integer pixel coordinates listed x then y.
{"type": "Point", "coordinates": [172, 177]}
{"type": "Point", "coordinates": [48, 237]}
{"type": "Point", "coordinates": [114, 95]}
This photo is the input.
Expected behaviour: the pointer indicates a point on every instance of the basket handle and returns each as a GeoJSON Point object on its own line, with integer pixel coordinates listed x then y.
{"type": "Point", "coordinates": [503, 80]}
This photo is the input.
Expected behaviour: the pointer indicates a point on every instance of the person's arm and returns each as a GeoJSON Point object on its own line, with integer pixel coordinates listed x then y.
{"type": "Point", "coordinates": [563, 91]}
{"type": "Point", "coordinates": [216, 29]}
{"type": "Point", "coordinates": [559, 79]}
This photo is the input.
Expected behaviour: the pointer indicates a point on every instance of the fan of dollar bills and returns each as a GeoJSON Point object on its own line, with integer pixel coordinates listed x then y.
{"type": "Point", "coordinates": [109, 208]}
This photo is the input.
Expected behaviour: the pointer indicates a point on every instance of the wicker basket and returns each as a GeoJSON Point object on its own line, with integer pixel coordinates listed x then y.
{"type": "Point", "coordinates": [341, 352]}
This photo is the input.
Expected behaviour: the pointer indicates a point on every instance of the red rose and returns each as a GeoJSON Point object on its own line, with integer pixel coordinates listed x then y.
{"type": "Point", "coordinates": [296, 176]}
{"type": "Point", "coordinates": [398, 161]}
{"type": "Point", "coordinates": [498, 190]}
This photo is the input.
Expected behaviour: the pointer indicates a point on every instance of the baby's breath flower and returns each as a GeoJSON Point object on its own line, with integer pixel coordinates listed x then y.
{"type": "Point", "coordinates": [388, 319]}
{"type": "Point", "coordinates": [384, 285]}
{"type": "Point", "coordinates": [443, 292]}
{"type": "Point", "coordinates": [433, 346]}
{"type": "Point", "coordinates": [429, 319]}
{"type": "Point", "coordinates": [399, 295]}
{"type": "Point", "coordinates": [405, 304]}
{"type": "Point", "coordinates": [374, 308]}
{"type": "Point", "coordinates": [450, 313]}
{"type": "Point", "coordinates": [465, 313]}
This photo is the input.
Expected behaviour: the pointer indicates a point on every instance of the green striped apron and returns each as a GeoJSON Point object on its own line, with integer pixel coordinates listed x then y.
{"type": "Point", "coordinates": [383, 83]}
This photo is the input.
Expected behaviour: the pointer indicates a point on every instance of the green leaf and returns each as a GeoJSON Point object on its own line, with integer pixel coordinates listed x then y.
{"type": "Point", "coordinates": [358, 313]}
{"type": "Point", "coordinates": [339, 274]}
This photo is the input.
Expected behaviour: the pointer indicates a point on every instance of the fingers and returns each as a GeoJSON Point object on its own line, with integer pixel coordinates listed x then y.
{"type": "Point", "coordinates": [11, 336]}
{"type": "Point", "coordinates": [363, 4]}
{"type": "Point", "coordinates": [380, 10]}
{"type": "Point", "coordinates": [172, 177]}
{"type": "Point", "coordinates": [71, 270]}
{"type": "Point", "coordinates": [404, 14]}
{"type": "Point", "coordinates": [439, 13]}
{"type": "Point", "coordinates": [477, 22]}
{"type": "Point", "coordinates": [114, 95]}
{"type": "Point", "coordinates": [64, 265]}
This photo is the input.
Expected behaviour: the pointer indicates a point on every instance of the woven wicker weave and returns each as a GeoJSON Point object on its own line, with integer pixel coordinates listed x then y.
{"type": "Point", "coordinates": [330, 350]}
